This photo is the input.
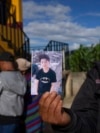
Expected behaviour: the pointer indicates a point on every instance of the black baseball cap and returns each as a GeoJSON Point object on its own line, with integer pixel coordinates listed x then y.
{"type": "Point", "coordinates": [6, 56]}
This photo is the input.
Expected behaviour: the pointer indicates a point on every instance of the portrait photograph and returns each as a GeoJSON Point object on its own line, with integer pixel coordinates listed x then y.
{"type": "Point", "coordinates": [46, 72]}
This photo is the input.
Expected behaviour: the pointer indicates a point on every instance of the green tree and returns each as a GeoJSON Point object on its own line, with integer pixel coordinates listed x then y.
{"type": "Point", "coordinates": [81, 59]}
{"type": "Point", "coordinates": [96, 52]}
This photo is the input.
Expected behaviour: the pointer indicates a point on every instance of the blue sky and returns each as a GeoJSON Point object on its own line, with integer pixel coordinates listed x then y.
{"type": "Point", "coordinates": [71, 21]}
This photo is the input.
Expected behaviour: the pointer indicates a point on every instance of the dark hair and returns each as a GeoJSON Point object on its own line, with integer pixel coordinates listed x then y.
{"type": "Point", "coordinates": [7, 56]}
{"type": "Point", "coordinates": [44, 56]}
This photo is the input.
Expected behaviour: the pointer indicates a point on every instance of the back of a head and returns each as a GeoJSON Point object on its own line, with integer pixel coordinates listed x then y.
{"type": "Point", "coordinates": [6, 56]}
{"type": "Point", "coordinates": [7, 61]}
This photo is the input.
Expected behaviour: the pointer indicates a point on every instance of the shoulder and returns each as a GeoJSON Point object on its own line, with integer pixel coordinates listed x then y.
{"type": "Point", "coordinates": [52, 71]}
{"type": "Point", "coordinates": [5, 74]}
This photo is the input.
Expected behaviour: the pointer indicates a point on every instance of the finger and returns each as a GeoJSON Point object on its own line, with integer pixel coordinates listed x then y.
{"type": "Point", "coordinates": [43, 98]}
{"type": "Point", "coordinates": [61, 117]}
{"type": "Point", "coordinates": [45, 102]}
{"type": "Point", "coordinates": [52, 109]}
{"type": "Point", "coordinates": [58, 112]}
{"type": "Point", "coordinates": [54, 103]}
{"type": "Point", "coordinates": [50, 99]}
{"type": "Point", "coordinates": [42, 103]}
{"type": "Point", "coordinates": [42, 110]}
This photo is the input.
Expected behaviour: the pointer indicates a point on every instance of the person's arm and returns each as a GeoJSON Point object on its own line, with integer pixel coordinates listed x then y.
{"type": "Point", "coordinates": [19, 90]}
{"type": "Point", "coordinates": [36, 83]}
{"type": "Point", "coordinates": [83, 113]}
{"type": "Point", "coordinates": [53, 85]}
{"type": "Point", "coordinates": [81, 118]}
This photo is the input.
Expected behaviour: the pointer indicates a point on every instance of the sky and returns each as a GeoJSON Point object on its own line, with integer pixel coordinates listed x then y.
{"type": "Point", "coordinates": [70, 21]}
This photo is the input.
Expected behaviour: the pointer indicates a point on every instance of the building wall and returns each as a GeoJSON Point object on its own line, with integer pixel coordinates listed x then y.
{"type": "Point", "coordinates": [16, 10]}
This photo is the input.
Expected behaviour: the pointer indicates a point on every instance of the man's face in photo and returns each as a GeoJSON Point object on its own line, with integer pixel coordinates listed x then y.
{"type": "Point", "coordinates": [45, 63]}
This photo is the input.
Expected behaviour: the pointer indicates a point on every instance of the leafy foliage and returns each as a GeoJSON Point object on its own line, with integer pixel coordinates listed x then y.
{"type": "Point", "coordinates": [83, 58]}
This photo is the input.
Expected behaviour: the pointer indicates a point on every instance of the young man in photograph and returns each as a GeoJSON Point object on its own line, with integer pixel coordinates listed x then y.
{"type": "Point", "coordinates": [46, 77]}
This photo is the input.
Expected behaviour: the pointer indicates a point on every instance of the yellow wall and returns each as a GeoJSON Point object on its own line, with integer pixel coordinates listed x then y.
{"type": "Point", "coordinates": [16, 10]}
{"type": "Point", "coordinates": [18, 4]}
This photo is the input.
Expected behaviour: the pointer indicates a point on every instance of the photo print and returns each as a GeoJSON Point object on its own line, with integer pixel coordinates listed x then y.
{"type": "Point", "coordinates": [46, 74]}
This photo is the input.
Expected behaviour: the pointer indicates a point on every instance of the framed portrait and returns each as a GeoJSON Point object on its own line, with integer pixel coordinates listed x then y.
{"type": "Point", "coordinates": [46, 74]}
